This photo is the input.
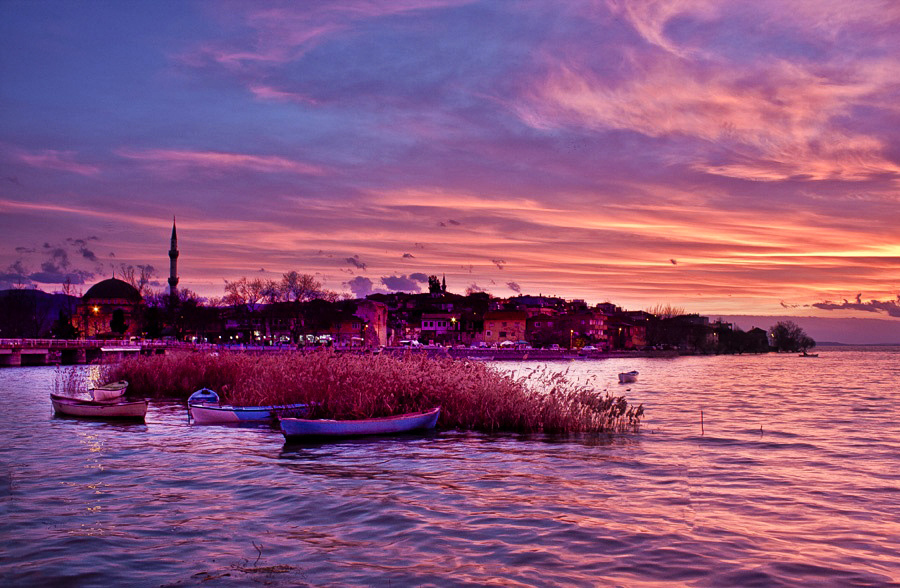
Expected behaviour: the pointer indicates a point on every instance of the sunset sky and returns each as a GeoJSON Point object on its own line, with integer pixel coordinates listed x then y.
{"type": "Point", "coordinates": [733, 158]}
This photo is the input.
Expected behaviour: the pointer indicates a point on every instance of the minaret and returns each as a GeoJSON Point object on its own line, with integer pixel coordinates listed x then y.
{"type": "Point", "coordinates": [173, 263]}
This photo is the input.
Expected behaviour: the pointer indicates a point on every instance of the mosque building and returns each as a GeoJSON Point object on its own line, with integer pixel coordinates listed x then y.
{"type": "Point", "coordinates": [114, 308]}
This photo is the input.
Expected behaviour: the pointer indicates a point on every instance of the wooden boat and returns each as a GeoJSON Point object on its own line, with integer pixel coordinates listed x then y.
{"type": "Point", "coordinates": [111, 391]}
{"type": "Point", "coordinates": [66, 405]}
{"type": "Point", "coordinates": [204, 409]}
{"type": "Point", "coordinates": [628, 377]}
{"type": "Point", "coordinates": [294, 428]}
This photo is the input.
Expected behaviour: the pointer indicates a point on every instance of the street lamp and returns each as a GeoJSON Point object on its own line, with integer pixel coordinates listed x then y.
{"type": "Point", "coordinates": [571, 334]}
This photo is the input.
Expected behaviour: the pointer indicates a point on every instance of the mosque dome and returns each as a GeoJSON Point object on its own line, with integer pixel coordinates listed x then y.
{"type": "Point", "coordinates": [112, 289]}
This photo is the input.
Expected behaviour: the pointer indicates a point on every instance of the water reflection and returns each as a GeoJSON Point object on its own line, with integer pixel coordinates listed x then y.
{"type": "Point", "coordinates": [810, 499]}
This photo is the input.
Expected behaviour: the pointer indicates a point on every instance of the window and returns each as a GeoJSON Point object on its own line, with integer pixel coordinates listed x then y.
{"type": "Point", "coordinates": [537, 323]}
{"type": "Point", "coordinates": [487, 333]}
{"type": "Point", "coordinates": [503, 324]}
{"type": "Point", "coordinates": [502, 334]}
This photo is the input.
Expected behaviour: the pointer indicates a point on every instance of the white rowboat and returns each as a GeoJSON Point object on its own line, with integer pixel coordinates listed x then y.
{"type": "Point", "coordinates": [111, 391]}
{"type": "Point", "coordinates": [628, 377]}
{"type": "Point", "coordinates": [65, 405]}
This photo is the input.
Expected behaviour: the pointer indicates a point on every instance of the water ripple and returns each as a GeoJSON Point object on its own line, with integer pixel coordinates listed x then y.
{"type": "Point", "coordinates": [791, 481]}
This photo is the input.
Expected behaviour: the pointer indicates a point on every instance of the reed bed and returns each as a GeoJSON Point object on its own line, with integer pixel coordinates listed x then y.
{"type": "Point", "coordinates": [472, 395]}
{"type": "Point", "coordinates": [77, 382]}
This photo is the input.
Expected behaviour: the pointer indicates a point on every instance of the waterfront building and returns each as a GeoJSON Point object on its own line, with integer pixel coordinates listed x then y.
{"type": "Point", "coordinates": [111, 308]}
{"type": "Point", "coordinates": [441, 327]}
{"type": "Point", "coordinates": [504, 325]}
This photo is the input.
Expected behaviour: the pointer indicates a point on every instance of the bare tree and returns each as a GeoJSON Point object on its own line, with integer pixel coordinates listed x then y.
{"type": "Point", "coordinates": [138, 276]}
{"type": "Point", "coordinates": [299, 287]}
{"type": "Point", "coordinates": [332, 296]}
{"type": "Point", "coordinates": [215, 302]}
{"type": "Point", "coordinates": [244, 292]}
{"type": "Point", "coordinates": [789, 336]}
{"type": "Point", "coordinates": [270, 291]}
{"type": "Point", "coordinates": [665, 311]}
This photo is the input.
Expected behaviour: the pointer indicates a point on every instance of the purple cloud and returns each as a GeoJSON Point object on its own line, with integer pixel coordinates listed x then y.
{"type": "Point", "coordinates": [401, 284]}
{"type": "Point", "coordinates": [360, 286]}
{"type": "Point", "coordinates": [889, 307]}
{"type": "Point", "coordinates": [355, 262]}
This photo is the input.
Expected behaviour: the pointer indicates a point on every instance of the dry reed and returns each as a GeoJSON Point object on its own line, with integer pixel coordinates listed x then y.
{"type": "Point", "coordinates": [472, 395]}
{"type": "Point", "coordinates": [69, 381]}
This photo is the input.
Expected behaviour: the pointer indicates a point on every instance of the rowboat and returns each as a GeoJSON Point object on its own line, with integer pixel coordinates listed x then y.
{"type": "Point", "coordinates": [204, 409]}
{"type": "Point", "coordinates": [110, 391]}
{"type": "Point", "coordinates": [66, 405]}
{"type": "Point", "coordinates": [628, 377]}
{"type": "Point", "coordinates": [294, 428]}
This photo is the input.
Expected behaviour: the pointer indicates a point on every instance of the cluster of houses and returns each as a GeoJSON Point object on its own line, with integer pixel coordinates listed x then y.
{"type": "Point", "coordinates": [437, 318]}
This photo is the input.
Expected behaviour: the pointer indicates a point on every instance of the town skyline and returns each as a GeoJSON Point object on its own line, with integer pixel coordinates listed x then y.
{"type": "Point", "coordinates": [641, 154]}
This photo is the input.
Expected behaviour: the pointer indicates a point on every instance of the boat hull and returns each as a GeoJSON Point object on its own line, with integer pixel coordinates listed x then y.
{"type": "Point", "coordinates": [294, 428]}
{"type": "Point", "coordinates": [63, 405]}
{"type": "Point", "coordinates": [206, 414]}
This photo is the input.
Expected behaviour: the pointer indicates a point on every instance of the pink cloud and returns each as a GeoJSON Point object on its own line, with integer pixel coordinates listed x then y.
{"type": "Point", "coordinates": [58, 160]}
{"type": "Point", "coordinates": [221, 160]}
{"type": "Point", "coordinates": [286, 34]}
{"type": "Point", "coordinates": [269, 93]}
{"type": "Point", "coordinates": [778, 119]}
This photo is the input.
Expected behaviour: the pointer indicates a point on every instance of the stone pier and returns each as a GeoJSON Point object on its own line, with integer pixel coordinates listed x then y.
{"type": "Point", "coordinates": [10, 357]}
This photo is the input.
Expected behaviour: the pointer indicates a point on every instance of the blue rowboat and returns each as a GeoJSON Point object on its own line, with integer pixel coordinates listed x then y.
{"type": "Point", "coordinates": [296, 428]}
{"type": "Point", "coordinates": [204, 409]}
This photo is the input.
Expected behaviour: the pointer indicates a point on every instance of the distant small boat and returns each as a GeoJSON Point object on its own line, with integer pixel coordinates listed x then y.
{"type": "Point", "coordinates": [809, 355]}
{"type": "Point", "coordinates": [66, 405]}
{"type": "Point", "coordinates": [204, 409]}
{"type": "Point", "coordinates": [111, 391]}
{"type": "Point", "coordinates": [628, 377]}
{"type": "Point", "coordinates": [294, 428]}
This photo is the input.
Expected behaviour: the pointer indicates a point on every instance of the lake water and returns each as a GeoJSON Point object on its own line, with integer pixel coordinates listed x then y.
{"type": "Point", "coordinates": [794, 480]}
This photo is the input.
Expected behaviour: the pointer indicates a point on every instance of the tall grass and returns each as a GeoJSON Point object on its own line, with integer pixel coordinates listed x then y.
{"type": "Point", "coordinates": [69, 381]}
{"type": "Point", "coordinates": [472, 395]}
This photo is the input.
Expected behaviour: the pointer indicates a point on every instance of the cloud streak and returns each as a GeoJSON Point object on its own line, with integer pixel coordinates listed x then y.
{"type": "Point", "coordinates": [218, 160]}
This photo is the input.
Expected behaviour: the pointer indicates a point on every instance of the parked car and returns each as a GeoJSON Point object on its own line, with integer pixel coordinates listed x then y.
{"type": "Point", "coordinates": [589, 348]}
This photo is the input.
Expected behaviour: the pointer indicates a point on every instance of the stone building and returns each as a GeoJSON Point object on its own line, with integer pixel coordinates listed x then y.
{"type": "Point", "coordinates": [108, 308]}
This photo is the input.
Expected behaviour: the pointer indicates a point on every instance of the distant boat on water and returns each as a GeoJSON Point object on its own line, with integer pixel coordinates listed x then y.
{"type": "Point", "coordinates": [628, 377]}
